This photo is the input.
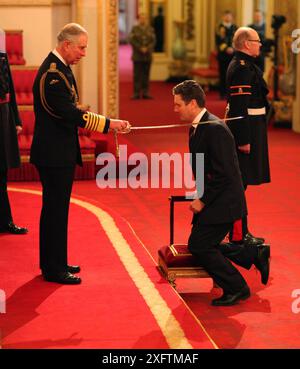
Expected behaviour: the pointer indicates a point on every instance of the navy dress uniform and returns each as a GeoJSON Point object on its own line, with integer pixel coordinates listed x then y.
{"type": "Point", "coordinates": [141, 37]}
{"type": "Point", "coordinates": [55, 152]}
{"type": "Point", "coordinates": [9, 150]}
{"type": "Point", "coordinates": [247, 97]}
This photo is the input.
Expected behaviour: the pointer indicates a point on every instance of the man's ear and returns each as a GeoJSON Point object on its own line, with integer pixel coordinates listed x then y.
{"type": "Point", "coordinates": [66, 44]}
{"type": "Point", "coordinates": [194, 103]}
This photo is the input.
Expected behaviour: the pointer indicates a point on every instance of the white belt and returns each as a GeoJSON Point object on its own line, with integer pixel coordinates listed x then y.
{"type": "Point", "coordinates": [259, 111]}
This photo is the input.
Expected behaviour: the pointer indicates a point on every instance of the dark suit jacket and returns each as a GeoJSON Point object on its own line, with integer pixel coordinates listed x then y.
{"type": "Point", "coordinates": [55, 141]}
{"type": "Point", "coordinates": [223, 195]}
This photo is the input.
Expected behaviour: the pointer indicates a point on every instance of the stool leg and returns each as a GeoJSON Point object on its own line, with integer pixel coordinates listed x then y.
{"type": "Point", "coordinates": [171, 280]}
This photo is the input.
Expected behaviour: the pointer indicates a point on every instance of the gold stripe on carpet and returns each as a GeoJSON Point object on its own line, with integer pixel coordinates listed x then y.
{"type": "Point", "coordinates": [163, 315]}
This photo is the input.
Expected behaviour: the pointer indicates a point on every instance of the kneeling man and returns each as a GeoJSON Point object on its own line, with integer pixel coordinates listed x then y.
{"type": "Point", "coordinates": [222, 201]}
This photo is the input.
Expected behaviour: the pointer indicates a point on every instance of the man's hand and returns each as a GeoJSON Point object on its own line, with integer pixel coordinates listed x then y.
{"type": "Point", "coordinates": [144, 50]}
{"type": "Point", "coordinates": [245, 148]}
{"type": "Point", "coordinates": [121, 126]}
{"type": "Point", "coordinates": [19, 129]}
{"type": "Point", "coordinates": [196, 206]}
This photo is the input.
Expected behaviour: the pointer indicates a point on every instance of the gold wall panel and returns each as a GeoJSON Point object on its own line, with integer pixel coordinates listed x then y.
{"type": "Point", "coordinates": [34, 2]}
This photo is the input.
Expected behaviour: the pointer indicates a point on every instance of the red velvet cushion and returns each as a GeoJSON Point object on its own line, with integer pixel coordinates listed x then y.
{"type": "Point", "coordinates": [177, 256]}
{"type": "Point", "coordinates": [23, 81]}
{"type": "Point", "coordinates": [27, 119]}
{"type": "Point", "coordinates": [86, 143]}
{"type": "Point", "coordinates": [14, 47]}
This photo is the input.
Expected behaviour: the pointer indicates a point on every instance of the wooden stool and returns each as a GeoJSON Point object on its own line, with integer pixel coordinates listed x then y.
{"type": "Point", "coordinates": [175, 261]}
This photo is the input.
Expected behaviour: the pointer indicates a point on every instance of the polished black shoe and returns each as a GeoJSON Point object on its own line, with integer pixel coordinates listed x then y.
{"type": "Point", "coordinates": [13, 229]}
{"type": "Point", "coordinates": [262, 262]}
{"type": "Point", "coordinates": [250, 240]}
{"type": "Point", "coordinates": [147, 97]}
{"type": "Point", "coordinates": [62, 278]}
{"type": "Point", "coordinates": [73, 269]}
{"type": "Point", "coordinates": [135, 97]}
{"type": "Point", "coordinates": [232, 299]}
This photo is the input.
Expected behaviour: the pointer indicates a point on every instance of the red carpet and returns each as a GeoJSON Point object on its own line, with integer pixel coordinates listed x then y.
{"type": "Point", "coordinates": [109, 309]}
{"type": "Point", "coordinates": [122, 303]}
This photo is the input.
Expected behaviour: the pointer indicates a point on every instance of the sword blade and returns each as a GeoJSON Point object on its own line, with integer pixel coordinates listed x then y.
{"type": "Point", "coordinates": [183, 124]}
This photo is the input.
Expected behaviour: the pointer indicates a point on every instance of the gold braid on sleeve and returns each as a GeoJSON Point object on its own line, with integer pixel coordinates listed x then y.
{"type": "Point", "coordinates": [94, 122]}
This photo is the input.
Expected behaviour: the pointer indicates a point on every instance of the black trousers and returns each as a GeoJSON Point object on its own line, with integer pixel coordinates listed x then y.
{"type": "Point", "coordinates": [204, 244]}
{"type": "Point", "coordinates": [141, 76]}
{"type": "Point", "coordinates": [5, 211]}
{"type": "Point", "coordinates": [57, 187]}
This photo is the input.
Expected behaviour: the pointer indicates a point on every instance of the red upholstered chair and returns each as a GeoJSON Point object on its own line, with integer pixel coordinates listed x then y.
{"type": "Point", "coordinates": [27, 171]}
{"type": "Point", "coordinates": [14, 47]}
{"type": "Point", "coordinates": [87, 147]}
{"type": "Point", "coordinates": [23, 78]}
{"type": "Point", "coordinates": [207, 76]}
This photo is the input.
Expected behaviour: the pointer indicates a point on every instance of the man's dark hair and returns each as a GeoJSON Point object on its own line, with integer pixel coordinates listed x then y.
{"type": "Point", "coordinates": [189, 90]}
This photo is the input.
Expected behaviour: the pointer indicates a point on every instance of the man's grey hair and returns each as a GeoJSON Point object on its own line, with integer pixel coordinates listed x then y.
{"type": "Point", "coordinates": [241, 35]}
{"type": "Point", "coordinates": [70, 32]}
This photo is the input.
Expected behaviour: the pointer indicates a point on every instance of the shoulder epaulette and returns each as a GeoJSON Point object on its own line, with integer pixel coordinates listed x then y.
{"type": "Point", "coordinates": [53, 69]}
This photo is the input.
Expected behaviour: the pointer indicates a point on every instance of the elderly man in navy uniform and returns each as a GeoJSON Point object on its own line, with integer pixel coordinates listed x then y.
{"type": "Point", "coordinates": [247, 97]}
{"type": "Point", "coordinates": [55, 148]}
{"type": "Point", "coordinates": [224, 36]}
{"type": "Point", "coordinates": [10, 126]}
{"type": "Point", "coordinates": [142, 39]}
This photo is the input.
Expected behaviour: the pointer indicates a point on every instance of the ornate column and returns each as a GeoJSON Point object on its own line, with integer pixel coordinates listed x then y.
{"type": "Point", "coordinates": [108, 46]}
{"type": "Point", "coordinates": [98, 73]}
{"type": "Point", "coordinates": [245, 12]}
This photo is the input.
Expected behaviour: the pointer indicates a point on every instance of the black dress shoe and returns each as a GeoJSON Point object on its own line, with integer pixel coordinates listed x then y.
{"type": "Point", "coordinates": [63, 278]}
{"type": "Point", "coordinates": [73, 269]}
{"type": "Point", "coordinates": [250, 240]}
{"type": "Point", "coordinates": [147, 97]}
{"type": "Point", "coordinates": [135, 97]}
{"type": "Point", "coordinates": [232, 299]}
{"type": "Point", "coordinates": [13, 229]}
{"type": "Point", "coordinates": [262, 262]}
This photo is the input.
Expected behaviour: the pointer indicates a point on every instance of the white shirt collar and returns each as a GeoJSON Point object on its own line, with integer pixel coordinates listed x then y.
{"type": "Point", "coordinates": [199, 117]}
{"type": "Point", "coordinates": [57, 54]}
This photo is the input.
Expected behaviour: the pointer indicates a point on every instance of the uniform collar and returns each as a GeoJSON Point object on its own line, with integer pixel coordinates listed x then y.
{"type": "Point", "coordinates": [241, 55]}
{"type": "Point", "coordinates": [57, 54]}
{"type": "Point", "coordinates": [226, 24]}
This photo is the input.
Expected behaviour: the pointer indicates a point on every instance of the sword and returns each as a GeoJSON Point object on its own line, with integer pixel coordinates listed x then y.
{"type": "Point", "coordinates": [183, 124]}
